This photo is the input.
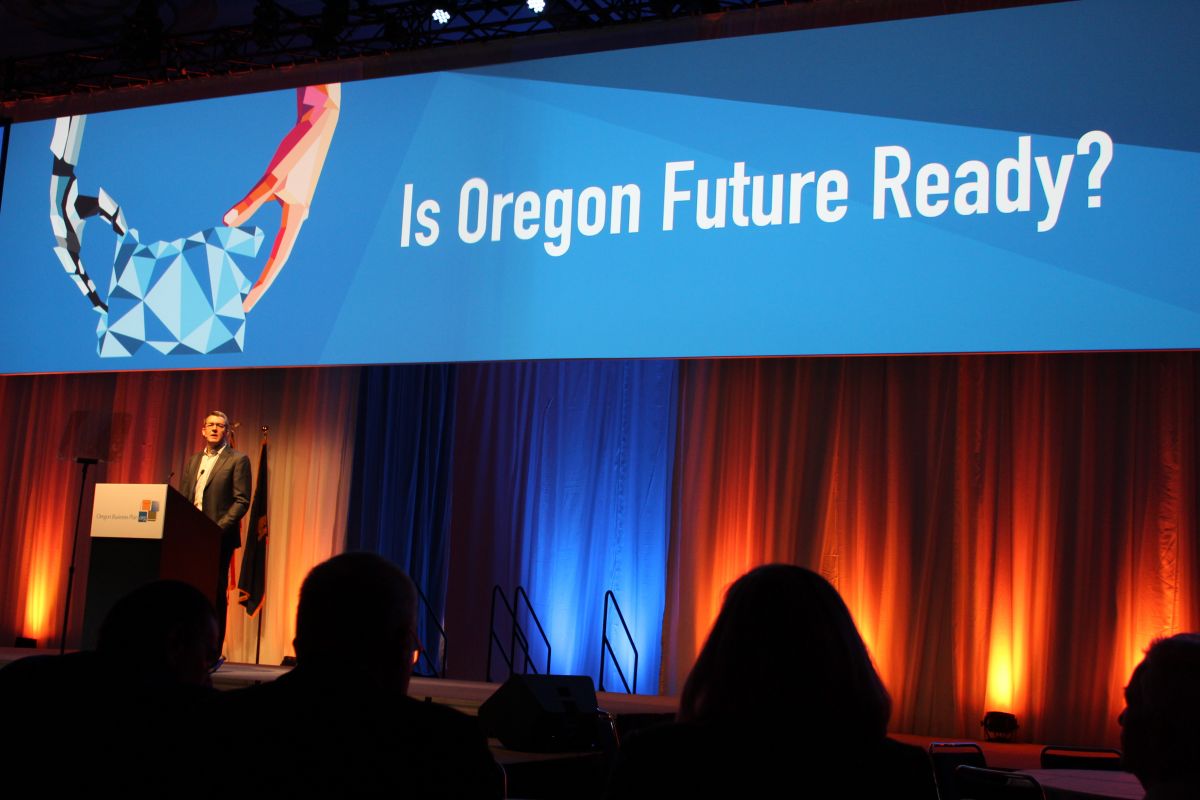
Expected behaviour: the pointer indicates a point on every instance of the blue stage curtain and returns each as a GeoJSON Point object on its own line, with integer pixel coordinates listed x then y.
{"type": "Point", "coordinates": [562, 484]}
{"type": "Point", "coordinates": [400, 493]}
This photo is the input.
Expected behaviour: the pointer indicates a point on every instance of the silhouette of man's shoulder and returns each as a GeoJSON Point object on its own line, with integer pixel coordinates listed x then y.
{"type": "Point", "coordinates": [321, 736]}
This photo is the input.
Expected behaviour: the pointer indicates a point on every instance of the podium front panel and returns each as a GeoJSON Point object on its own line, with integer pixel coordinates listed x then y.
{"type": "Point", "coordinates": [129, 510]}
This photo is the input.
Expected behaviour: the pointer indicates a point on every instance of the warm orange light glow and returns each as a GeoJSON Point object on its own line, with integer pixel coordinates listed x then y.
{"type": "Point", "coordinates": [731, 563]}
{"type": "Point", "coordinates": [999, 676]}
{"type": "Point", "coordinates": [42, 557]}
{"type": "Point", "coordinates": [37, 606]}
{"type": "Point", "coordinates": [868, 637]}
{"type": "Point", "coordinates": [869, 631]}
{"type": "Point", "coordinates": [1010, 533]}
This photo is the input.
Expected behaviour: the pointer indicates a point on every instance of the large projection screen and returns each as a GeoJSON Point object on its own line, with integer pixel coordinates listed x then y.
{"type": "Point", "coordinates": [1002, 181]}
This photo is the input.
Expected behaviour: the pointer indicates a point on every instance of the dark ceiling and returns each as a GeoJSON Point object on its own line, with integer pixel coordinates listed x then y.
{"type": "Point", "coordinates": [95, 54]}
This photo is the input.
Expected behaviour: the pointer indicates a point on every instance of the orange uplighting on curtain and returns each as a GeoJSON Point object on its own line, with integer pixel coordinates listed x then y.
{"type": "Point", "coordinates": [156, 426]}
{"type": "Point", "coordinates": [37, 605]}
{"type": "Point", "coordinates": [310, 413]}
{"type": "Point", "coordinates": [1007, 530]}
{"type": "Point", "coordinates": [47, 525]}
{"type": "Point", "coordinates": [44, 574]}
{"type": "Point", "coordinates": [39, 486]}
{"type": "Point", "coordinates": [730, 562]}
{"type": "Point", "coordinates": [999, 675]}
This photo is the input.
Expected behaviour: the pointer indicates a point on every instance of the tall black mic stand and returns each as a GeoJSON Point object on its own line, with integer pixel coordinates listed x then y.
{"type": "Point", "coordinates": [84, 462]}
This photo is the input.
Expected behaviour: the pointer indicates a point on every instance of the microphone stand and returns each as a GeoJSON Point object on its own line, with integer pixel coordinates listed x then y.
{"type": "Point", "coordinates": [84, 463]}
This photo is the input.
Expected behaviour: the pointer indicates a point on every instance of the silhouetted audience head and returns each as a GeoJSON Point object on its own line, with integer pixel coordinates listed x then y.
{"type": "Point", "coordinates": [119, 717]}
{"type": "Point", "coordinates": [341, 724]}
{"type": "Point", "coordinates": [783, 699]}
{"type": "Point", "coordinates": [785, 647]}
{"type": "Point", "coordinates": [1160, 728]}
{"type": "Point", "coordinates": [357, 614]}
{"type": "Point", "coordinates": [163, 631]}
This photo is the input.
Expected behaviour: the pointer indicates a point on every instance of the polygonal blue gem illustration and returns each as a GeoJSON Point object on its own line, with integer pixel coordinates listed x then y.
{"type": "Point", "coordinates": [180, 297]}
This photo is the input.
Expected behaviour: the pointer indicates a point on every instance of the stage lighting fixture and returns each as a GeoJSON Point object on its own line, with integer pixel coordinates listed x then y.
{"type": "Point", "coordinates": [536, 6]}
{"type": "Point", "coordinates": [25, 642]}
{"type": "Point", "coordinates": [999, 726]}
{"type": "Point", "coordinates": [440, 15]}
{"type": "Point", "coordinates": [140, 42]}
{"type": "Point", "coordinates": [547, 714]}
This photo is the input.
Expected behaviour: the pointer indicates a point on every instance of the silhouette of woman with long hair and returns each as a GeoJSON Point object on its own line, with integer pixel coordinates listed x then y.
{"type": "Point", "coordinates": [783, 701]}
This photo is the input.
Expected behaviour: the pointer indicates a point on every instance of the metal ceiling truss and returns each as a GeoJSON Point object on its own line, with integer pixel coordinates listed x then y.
{"type": "Point", "coordinates": [143, 55]}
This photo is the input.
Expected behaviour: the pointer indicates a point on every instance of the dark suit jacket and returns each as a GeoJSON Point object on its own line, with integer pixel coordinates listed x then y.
{"type": "Point", "coordinates": [226, 495]}
{"type": "Point", "coordinates": [328, 736]}
{"type": "Point", "coordinates": [114, 720]}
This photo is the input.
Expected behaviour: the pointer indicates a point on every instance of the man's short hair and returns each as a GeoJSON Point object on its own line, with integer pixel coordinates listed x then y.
{"type": "Point", "coordinates": [215, 413]}
{"type": "Point", "coordinates": [1162, 716]}
{"type": "Point", "coordinates": [356, 606]}
{"type": "Point", "coordinates": [153, 624]}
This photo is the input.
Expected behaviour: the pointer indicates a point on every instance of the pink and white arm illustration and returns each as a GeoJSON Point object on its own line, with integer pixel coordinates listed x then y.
{"type": "Point", "coordinates": [291, 177]}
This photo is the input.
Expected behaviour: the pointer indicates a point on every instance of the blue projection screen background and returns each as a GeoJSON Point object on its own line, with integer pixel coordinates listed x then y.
{"type": "Point", "coordinates": [1011, 180]}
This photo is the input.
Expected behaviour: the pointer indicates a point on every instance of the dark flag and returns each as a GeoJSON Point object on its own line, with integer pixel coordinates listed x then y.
{"type": "Point", "coordinates": [253, 580]}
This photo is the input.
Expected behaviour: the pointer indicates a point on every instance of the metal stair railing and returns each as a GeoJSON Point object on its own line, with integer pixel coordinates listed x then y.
{"type": "Point", "coordinates": [434, 671]}
{"type": "Point", "coordinates": [517, 634]}
{"type": "Point", "coordinates": [606, 646]}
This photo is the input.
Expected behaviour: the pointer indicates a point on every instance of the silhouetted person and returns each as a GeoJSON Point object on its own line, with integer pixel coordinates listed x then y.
{"type": "Point", "coordinates": [163, 634]}
{"type": "Point", "coordinates": [1160, 727]}
{"type": "Point", "coordinates": [783, 701]}
{"type": "Point", "coordinates": [121, 717]}
{"type": "Point", "coordinates": [341, 723]}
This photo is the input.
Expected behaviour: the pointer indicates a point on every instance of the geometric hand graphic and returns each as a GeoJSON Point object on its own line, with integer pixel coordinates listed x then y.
{"type": "Point", "coordinates": [182, 296]}
{"type": "Point", "coordinates": [291, 177]}
{"type": "Point", "coordinates": [179, 297]}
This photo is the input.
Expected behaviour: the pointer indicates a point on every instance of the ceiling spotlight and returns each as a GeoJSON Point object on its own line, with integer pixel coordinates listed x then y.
{"type": "Point", "coordinates": [440, 15]}
{"type": "Point", "coordinates": [536, 6]}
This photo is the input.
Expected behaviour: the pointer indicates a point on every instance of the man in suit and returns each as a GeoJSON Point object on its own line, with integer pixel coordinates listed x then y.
{"type": "Point", "coordinates": [217, 481]}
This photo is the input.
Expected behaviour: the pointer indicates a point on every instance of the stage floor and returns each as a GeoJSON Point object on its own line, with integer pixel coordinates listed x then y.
{"type": "Point", "coordinates": [463, 695]}
{"type": "Point", "coordinates": [468, 695]}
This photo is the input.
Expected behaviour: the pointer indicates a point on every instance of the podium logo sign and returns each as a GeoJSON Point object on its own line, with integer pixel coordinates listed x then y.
{"type": "Point", "coordinates": [129, 510]}
{"type": "Point", "coordinates": [148, 512]}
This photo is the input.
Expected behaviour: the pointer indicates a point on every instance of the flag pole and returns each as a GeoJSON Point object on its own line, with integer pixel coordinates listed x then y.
{"type": "Point", "coordinates": [266, 546]}
{"type": "Point", "coordinates": [252, 581]}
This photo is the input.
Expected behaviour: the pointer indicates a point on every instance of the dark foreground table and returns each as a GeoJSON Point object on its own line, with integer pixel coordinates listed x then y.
{"type": "Point", "coordinates": [1087, 784]}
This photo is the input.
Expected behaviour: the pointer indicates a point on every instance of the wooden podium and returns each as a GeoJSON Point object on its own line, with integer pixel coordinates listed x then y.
{"type": "Point", "coordinates": [142, 532]}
